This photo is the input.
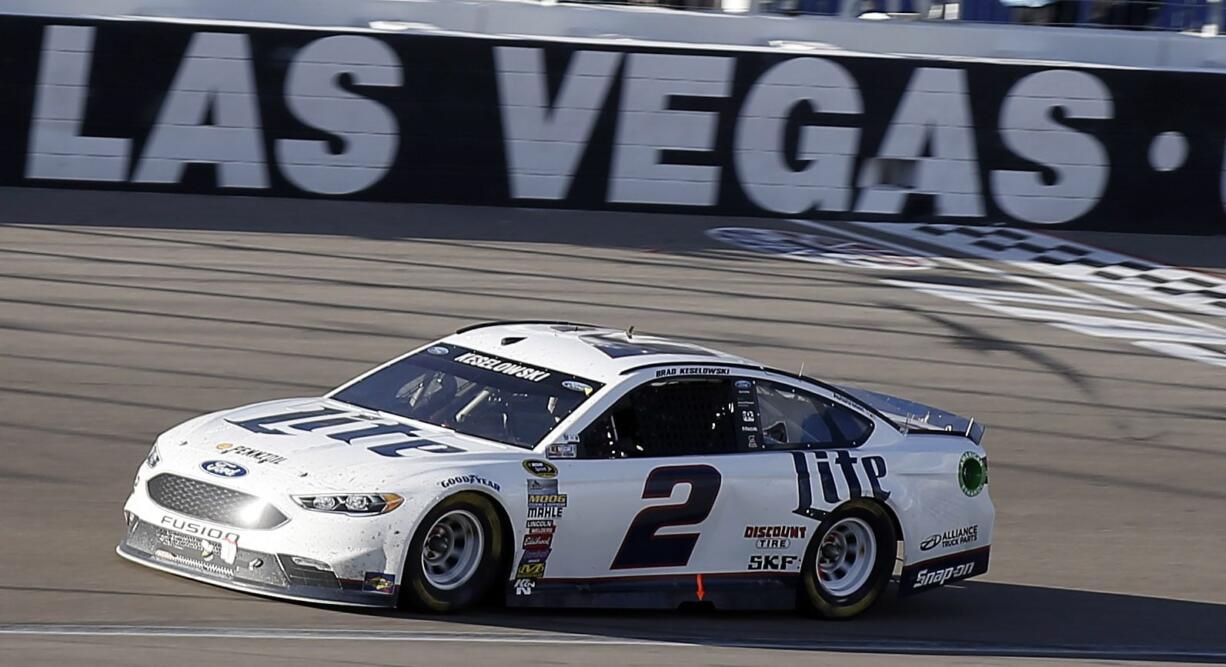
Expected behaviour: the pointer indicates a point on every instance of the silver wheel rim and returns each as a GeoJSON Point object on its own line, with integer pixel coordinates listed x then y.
{"type": "Point", "coordinates": [452, 551]}
{"type": "Point", "coordinates": [846, 557]}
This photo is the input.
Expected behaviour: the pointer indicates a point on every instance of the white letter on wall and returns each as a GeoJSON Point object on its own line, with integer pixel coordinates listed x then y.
{"type": "Point", "coordinates": [544, 143]}
{"type": "Point", "coordinates": [647, 125]}
{"type": "Point", "coordinates": [367, 128]}
{"type": "Point", "coordinates": [215, 76]}
{"type": "Point", "coordinates": [1079, 160]}
{"type": "Point", "coordinates": [935, 112]}
{"type": "Point", "coordinates": [825, 182]}
{"type": "Point", "coordinates": [57, 148]}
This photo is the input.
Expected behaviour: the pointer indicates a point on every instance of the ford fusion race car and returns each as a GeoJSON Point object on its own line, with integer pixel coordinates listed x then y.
{"type": "Point", "coordinates": [557, 464]}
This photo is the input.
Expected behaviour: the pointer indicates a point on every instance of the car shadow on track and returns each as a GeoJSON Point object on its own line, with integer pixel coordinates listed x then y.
{"type": "Point", "coordinates": [981, 619]}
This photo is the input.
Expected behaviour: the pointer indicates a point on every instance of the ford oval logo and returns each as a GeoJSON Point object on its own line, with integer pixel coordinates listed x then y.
{"type": "Point", "coordinates": [438, 350]}
{"type": "Point", "coordinates": [223, 468]}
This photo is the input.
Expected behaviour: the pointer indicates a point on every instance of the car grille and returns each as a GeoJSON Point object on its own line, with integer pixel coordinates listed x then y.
{"type": "Point", "coordinates": [189, 552]}
{"type": "Point", "coordinates": [202, 500]}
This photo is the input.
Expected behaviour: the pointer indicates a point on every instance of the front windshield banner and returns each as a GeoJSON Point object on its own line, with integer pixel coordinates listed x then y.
{"type": "Point", "coordinates": [474, 393]}
{"type": "Point", "coordinates": [503, 366]}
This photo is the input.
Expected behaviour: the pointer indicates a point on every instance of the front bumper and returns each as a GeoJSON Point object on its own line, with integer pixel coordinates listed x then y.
{"type": "Point", "coordinates": [275, 575]}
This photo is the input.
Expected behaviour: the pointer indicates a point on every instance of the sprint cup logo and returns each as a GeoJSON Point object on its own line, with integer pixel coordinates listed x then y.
{"type": "Point", "coordinates": [937, 577]}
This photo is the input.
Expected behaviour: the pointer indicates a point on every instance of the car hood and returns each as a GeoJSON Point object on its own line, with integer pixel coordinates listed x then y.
{"type": "Point", "coordinates": [917, 417]}
{"type": "Point", "coordinates": [325, 445]}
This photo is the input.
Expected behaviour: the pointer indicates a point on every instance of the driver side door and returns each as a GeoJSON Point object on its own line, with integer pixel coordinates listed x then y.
{"type": "Point", "coordinates": [647, 488]}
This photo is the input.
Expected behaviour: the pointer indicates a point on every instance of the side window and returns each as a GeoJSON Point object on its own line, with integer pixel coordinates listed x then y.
{"type": "Point", "coordinates": [675, 417]}
{"type": "Point", "coordinates": [794, 419]}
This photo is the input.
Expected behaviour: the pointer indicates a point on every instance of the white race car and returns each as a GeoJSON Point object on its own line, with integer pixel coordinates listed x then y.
{"type": "Point", "coordinates": [558, 464]}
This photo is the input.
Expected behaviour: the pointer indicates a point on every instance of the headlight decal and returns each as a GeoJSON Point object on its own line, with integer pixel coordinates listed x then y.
{"type": "Point", "coordinates": [356, 504]}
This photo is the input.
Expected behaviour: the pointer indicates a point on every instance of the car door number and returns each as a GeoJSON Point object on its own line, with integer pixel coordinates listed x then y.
{"type": "Point", "coordinates": [642, 547]}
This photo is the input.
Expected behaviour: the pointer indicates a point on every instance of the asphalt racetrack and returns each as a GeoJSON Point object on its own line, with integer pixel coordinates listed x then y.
{"type": "Point", "coordinates": [122, 314]}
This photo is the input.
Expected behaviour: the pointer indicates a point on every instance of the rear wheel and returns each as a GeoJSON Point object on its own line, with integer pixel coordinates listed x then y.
{"type": "Point", "coordinates": [455, 556]}
{"type": "Point", "coordinates": [849, 561]}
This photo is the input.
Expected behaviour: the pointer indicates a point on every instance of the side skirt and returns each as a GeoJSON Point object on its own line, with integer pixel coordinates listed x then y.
{"type": "Point", "coordinates": [929, 574]}
{"type": "Point", "coordinates": [724, 591]}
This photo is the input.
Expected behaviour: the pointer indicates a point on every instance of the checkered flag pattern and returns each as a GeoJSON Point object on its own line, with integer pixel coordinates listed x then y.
{"type": "Point", "coordinates": [1187, 289]}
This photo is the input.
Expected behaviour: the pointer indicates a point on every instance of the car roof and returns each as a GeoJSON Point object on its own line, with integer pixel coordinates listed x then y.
{"type": "Point", "coordinates": [593, 352]}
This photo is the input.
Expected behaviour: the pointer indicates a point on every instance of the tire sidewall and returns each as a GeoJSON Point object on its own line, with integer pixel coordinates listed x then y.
{"type": "Point", "coordinates": [819, 600]}
{"type": "Point", "coordinates": [419, 593]}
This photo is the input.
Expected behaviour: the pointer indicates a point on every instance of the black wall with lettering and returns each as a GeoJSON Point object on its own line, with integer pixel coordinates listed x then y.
{"type": "Point", "coordinates": [174, 107]}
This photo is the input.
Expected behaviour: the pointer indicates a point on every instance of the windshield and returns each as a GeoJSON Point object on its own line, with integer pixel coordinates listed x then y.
{"type": "Point", "coordinates": [473, 393]}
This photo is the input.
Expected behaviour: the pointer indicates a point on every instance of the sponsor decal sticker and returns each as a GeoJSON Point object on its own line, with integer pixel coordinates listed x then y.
{"type": "Point", "coordinates": [541, 468]}
{"type": "Point", "coordinates": [503, 366]}
{"type": "Point", "coordinates": [476, 480]}
{"type": "Point", "coordinates": [794, 532]}
{"type": "Point", "coordinates": [774, 562]}
{"type": "Point", "coordinates": [937, 577]}
{"type": "Point", "coordinates": [223, 469]}
{"type": "Point", "coordinates": [972, 473]}
{"type": "Point", "coordinates": [862, 476]}
{"type": "Point", "coordinates": [258, 455]}
{"type": "Point", "coordinates": [951, 538]}
{"type": "Point", "coordinates": [193, 528]}
{"type": "Point", "coordinates": [538, 541]}
{"type": "Point", "coordinates": [539, 486]}
{"type": "Point", "coordinates": [346, 427]}
{"type": "Point", "coordinates": [544, 504]}
{"type": "Point", "coordinates": [545, 511]}
{"type": "Point", "coordinates": [530, 570]}
{"type": "Point", "coordinates": [940, 571]}
{"type": "Point", "coordinates": [692, 370]}
{"type": "Point", "coordinates": [566, 450]}
{"type": "Point", "coordinates": [541, 527]}
{"type": "Point", "coordinates": [584, 388]}
{"type": "Point", "coordinates": [379, 582]}
{"type": "Point", "coordinates": [544, 501]}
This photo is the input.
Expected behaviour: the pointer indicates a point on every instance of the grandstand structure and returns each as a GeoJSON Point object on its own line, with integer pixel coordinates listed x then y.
{"type": "Point", "coordinates": [1145, 34]}
{"type": "Point", "coordinates": [1193, 16]}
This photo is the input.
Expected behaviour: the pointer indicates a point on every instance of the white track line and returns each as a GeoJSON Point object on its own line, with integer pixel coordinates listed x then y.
{"type": "Point", "coordinates": [866, 645]}
{"type": "Point", "coordinates": [323, 634]}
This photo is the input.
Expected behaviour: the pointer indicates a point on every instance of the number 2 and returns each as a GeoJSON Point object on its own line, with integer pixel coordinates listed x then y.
{"type": "Point", "coordinates": [642, 547]}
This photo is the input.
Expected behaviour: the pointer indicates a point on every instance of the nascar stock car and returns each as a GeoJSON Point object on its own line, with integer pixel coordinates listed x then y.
{"type": "Point", "coordinates": [558, 464]}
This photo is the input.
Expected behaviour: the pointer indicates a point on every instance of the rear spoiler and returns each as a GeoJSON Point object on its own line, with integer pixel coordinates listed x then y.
{"type": "Point", "coordinates": [975, 431]}
{"type": "Point", "coordinates": [913, 417]}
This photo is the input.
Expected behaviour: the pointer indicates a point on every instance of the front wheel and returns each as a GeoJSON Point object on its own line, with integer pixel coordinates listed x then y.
{"type": "Point", "coordinates": [849, 561]}
{"type": "Point", "coordinates": [455, 556]}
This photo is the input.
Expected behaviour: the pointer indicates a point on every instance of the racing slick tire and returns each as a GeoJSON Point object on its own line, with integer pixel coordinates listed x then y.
{"type": "Point", "coordinates": [849, 561]}
{"type": "Point", "coordinates": [456, 555]}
